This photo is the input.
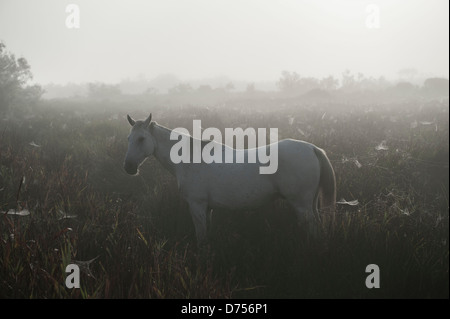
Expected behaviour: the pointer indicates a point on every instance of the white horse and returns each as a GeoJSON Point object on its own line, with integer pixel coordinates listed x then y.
{"type": "Point", "coordinates": [304, 176]}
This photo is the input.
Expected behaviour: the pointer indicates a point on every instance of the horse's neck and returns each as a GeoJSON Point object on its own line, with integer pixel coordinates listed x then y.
{"type": "Point", "coordinates": [163, 145]}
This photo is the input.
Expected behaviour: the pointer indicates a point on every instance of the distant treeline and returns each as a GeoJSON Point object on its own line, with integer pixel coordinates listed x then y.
{"type": "Point", "coordinates": [290, 84]}
{"type": "Point", "coordinates": [15, 90]}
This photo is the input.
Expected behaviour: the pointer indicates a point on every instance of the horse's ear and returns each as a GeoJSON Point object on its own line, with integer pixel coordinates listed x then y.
{"type": "Point", "coordinates": [147, 121]}
{"type": "Point", "coordinates": [130, 120]}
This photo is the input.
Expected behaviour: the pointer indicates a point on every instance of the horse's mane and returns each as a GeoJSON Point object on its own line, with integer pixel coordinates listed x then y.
{"type": "Point", "coordinates": [191, 142]}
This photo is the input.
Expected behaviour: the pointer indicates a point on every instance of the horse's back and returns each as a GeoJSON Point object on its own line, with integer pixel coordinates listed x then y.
{"type": "Point", "coordinates": [299, 156]}
{"type": "Point", "coordinates": [240, 185]}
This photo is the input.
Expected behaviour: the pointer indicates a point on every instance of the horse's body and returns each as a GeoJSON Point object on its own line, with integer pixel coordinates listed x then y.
{"type": "Point", "coordinates": [304, 172]}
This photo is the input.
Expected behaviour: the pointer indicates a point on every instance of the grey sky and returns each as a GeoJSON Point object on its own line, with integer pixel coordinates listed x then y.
{"type": "Point", "coordinates": [242, 39]}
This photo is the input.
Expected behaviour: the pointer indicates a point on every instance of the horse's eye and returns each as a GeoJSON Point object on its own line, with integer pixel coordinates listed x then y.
{"type": "Point", "coordinates": [141, 139]}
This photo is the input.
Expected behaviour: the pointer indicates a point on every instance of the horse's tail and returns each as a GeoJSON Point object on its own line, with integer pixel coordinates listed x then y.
{"type": "Point", "coordinates": [327, 185]}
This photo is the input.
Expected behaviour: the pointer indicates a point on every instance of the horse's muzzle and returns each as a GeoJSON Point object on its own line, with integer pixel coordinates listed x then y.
{"type": "Point", "coordinates": [130, 168]}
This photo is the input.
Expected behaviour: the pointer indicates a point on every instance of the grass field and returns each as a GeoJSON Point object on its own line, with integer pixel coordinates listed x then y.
{"type": "Point", "coordinates": [61, 168]}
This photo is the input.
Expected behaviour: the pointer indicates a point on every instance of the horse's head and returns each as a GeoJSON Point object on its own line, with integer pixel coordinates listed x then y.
{"type": "Point", "coordinates": [141, 144]}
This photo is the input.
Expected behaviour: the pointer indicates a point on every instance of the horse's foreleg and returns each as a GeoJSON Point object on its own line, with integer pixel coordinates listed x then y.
{"type": "Point", "coordinates": [198, 211]}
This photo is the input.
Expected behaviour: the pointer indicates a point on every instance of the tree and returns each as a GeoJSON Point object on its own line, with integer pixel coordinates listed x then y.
{"type": "Point", "coordinates": [103, 91]}
{"type": "Point", "coordinates": [250, 89]}
{"type": "Point", "coordinates": [348, 81]}
{"type": "Point", "coordinates": [288, 82]}
{"type": "Point", "coordinates": [14, 75]}
{"type": "Point", "coordinates": [180, 89]}
{"type": "Point", "coordinates": [229, 86]}
{"type": "Point", "coordinates": [307, 84]}
{"type": "Point", "coordinates": [293, 83]}
{"type": "Point", "coordinates": [151, 91]}
{"type": "Point", "coordinates": [329, 83]}
{"type": "Point", "coordinates": [204, 89]}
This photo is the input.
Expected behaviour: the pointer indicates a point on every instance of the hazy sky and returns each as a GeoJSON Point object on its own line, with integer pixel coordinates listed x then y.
{"type": "Point", "coordinates": [242, 39]}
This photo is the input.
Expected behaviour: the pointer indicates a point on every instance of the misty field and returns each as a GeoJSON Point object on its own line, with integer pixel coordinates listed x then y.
{"type": "Point", "coordinates": [65, 198]}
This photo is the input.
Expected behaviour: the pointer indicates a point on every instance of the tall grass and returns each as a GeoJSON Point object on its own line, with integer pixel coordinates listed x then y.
{"type": "Point", "coordinates": [133, 237]}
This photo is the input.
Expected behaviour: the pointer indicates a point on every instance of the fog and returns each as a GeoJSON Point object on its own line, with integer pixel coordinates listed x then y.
{"type": "Point", "coordinates": [241, 40]}
{"type": "Point", "coordinates": [353, 95]}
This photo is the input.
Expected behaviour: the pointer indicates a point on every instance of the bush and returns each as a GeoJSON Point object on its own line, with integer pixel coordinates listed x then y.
{"type": "Point", "coordinates": [14, 75]}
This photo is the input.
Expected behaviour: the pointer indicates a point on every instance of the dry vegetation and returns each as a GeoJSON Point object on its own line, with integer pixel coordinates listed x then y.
{"type": "Point", "coordinates": [62, 163]}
